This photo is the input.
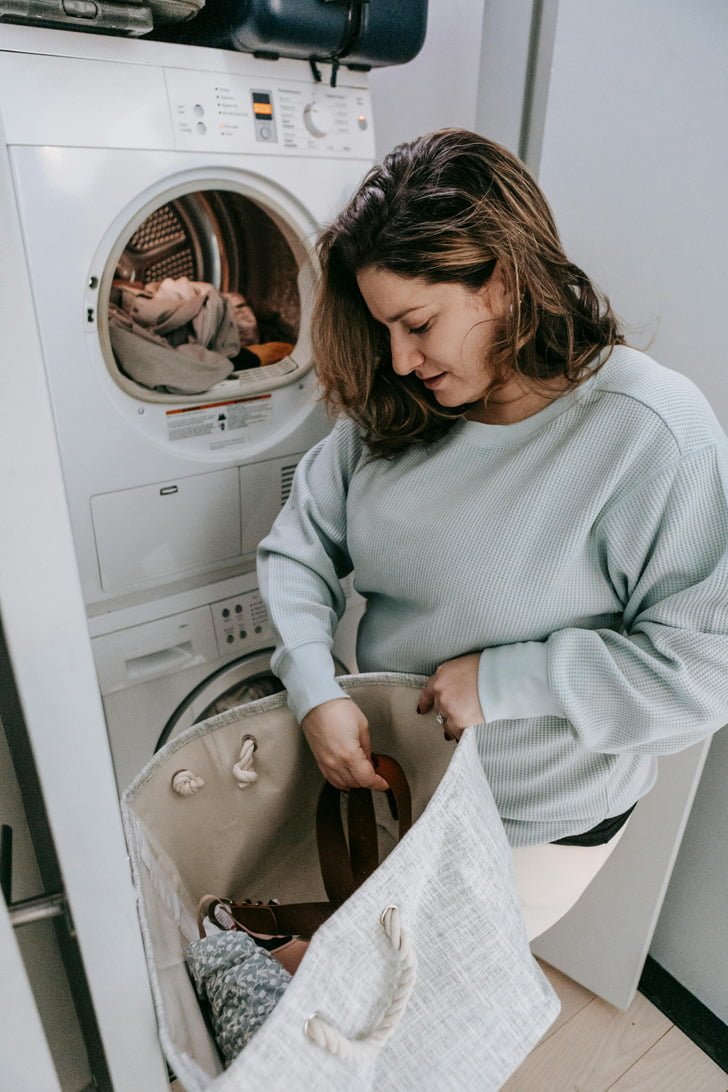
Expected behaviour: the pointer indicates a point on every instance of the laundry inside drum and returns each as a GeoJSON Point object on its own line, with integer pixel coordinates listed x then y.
{"type": "Point", "coordinates": [206, 288]}
{"type": "Point", "coordinates": [259, 686]}
{"type": "Point", "coordinates": [250, 688]}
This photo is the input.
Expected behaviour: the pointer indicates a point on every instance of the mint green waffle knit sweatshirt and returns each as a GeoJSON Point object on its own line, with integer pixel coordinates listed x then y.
{"type": "Point", "coordinates": [582, 551]}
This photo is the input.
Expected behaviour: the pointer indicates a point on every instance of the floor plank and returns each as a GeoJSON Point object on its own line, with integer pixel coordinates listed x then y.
{"type": "Point", "coordinates": [573, 997]}
{"type": "Point", "coordinates": [592, 1050]}
{"type": "Point", "coordinates": [673, 1064]}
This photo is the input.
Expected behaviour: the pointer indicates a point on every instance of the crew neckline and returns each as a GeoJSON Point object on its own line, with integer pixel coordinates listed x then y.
{"type": "Point", "coordinates": [504, 435]}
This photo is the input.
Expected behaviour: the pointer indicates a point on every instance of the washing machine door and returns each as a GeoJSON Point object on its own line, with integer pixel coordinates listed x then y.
{"type": "Point", "coordinates": [239, 682]}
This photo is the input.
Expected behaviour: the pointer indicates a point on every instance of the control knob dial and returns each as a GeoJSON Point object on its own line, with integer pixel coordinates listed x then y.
{"type": "Point", "coordinates": [317, 118]}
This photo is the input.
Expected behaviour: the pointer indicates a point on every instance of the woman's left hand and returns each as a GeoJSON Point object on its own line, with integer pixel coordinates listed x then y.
{"type": "Point", "coordinates": [453, 692]}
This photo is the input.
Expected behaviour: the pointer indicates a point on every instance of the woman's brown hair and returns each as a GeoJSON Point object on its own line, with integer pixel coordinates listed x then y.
{"type": "Point", "coordinates": [448, 207]}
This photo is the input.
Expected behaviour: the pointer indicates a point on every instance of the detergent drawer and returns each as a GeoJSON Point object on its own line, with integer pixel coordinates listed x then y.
{"type": "Point", "coordinates": [169, 529]}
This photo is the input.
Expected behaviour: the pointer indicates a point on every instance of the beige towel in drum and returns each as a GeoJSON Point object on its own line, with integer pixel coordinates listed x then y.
{"type": "Point", "coordinates": [176, 335]}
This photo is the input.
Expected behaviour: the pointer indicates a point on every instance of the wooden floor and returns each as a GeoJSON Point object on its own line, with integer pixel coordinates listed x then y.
{"type": "Point", "coordinates": [593, 1047]}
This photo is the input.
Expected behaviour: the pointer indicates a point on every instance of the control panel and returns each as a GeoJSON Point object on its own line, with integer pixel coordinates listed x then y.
{"type": "Point", "coordinates": [253, 107]}
{"type": "Point", "coordinates": [226, 112]}
{"type": "Point", "coordinates": [241, 623]}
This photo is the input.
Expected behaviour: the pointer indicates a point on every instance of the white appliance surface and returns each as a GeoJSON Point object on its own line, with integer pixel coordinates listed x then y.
{"type": "Point", "coordinates": [99, 141]}
{"type": "Point", "coordinates": [172, 663]}
{"type": "Point", "coordinates": [116, 145]}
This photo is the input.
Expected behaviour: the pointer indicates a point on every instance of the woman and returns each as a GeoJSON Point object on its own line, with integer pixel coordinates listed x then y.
{"type": "Point", "coordinates": [536, 514]}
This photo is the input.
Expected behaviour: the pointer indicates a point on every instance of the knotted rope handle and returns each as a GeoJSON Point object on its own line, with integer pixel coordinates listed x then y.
{"type": "Point", "coordinates": [328, 1037]}
{"type": "Point", "coordinates": [243, 771]}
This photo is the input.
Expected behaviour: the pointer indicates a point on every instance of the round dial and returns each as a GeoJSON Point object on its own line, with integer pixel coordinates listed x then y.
{"type": "Point", "coordinates": [317, 118]}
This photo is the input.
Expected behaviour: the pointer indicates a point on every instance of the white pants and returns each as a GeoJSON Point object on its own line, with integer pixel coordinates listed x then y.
{"type": "Point", "coordinates": [550, 879]}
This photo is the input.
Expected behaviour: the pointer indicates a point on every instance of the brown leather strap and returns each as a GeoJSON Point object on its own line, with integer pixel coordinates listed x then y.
{"type": "Point", "coordinates": [333, 853]}
{"type": "Point", "coordinates": [363, 840]}
{"type": "Point", "coordinates": [345, 864]}
{"type": "Point", "coordinates": [293, 919]}
{"type": "Point", "coordinates": [394, 775]}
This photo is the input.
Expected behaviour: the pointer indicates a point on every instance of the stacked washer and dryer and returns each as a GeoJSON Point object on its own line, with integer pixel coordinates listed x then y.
{"type": "Point", "coordinates": [133, 162]}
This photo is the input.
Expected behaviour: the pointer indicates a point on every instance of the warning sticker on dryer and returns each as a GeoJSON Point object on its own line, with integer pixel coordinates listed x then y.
{"type": "Point", "coordinates": [217, 420]}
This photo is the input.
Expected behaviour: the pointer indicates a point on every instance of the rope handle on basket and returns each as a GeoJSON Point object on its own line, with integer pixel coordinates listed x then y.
{"type": "Point", "coordinates": [243, 771]}
{"type": "Point", "coordinates": [325, 1035]}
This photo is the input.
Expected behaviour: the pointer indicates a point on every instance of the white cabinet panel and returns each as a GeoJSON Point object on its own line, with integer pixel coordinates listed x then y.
{"type": "Point", "coordinates": [604, 940]}
{"type": "Point", "coordinates": [157, 531]}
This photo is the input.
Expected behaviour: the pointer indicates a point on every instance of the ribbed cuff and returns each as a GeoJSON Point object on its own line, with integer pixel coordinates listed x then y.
{"type": "Point", "coordinates": [513, 683]}
{"type": "Point", "coordinates": [307, 672]}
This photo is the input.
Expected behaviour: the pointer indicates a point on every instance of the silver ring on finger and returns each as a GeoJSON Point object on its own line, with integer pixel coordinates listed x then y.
{"type": "Point", "coordinates": [440, 719]}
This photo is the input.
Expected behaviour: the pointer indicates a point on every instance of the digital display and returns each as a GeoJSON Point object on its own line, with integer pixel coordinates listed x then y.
{"type": "Point", "coordinates": [262, 106]}
{"type": "Point", "coordinates": [265, 126]}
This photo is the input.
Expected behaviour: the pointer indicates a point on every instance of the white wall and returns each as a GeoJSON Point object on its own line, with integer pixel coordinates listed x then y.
{"type": "Point", "coordinates": [439, 87]}
{"type": "Point", "coordinates": [634, 161]}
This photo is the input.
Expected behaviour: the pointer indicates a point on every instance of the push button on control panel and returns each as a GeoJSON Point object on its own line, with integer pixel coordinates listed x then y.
{"type": "Point", "coordinates": [241, 623]}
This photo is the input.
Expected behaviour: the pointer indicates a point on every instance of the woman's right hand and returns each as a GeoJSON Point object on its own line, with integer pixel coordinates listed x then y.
{"type": "Point", "coordinates": [338, 734]}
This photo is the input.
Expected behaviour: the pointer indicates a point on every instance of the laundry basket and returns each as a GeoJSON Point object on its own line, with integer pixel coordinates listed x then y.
{"type": "Point", "coordinates": [479, 1002]}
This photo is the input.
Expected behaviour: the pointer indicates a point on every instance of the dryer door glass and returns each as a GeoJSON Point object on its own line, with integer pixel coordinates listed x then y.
{"type": "Point", "coordinates": [203, 294]}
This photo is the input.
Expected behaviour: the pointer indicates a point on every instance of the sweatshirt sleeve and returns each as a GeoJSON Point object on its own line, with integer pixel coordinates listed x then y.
{"type": "Point", "coordinates": [300, 565]}
{"type": "Point", "coordinates": [660, 682]}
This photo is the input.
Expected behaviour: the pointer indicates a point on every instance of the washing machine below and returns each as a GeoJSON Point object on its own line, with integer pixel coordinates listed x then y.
{"type": "Point", "coordinates": [159, 676]}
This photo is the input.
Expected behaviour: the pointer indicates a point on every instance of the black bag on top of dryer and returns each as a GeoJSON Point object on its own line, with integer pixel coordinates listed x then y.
{"type": "Point", "coordinates": [360, 34]}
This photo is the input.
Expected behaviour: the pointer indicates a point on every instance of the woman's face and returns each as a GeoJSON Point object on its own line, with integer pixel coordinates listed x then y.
{"type": "Point", "coordinates": [441, 332]}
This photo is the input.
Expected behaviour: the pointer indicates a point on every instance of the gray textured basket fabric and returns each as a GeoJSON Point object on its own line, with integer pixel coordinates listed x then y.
{"type": "Point", "coordinates": [479, 1002]}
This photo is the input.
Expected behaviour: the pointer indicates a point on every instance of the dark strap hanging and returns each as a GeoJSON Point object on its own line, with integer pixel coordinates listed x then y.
{"type": "Point", "coordinates": [346, 859]}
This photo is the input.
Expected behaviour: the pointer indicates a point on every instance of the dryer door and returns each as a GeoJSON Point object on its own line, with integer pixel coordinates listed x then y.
{"type": "Point", "coordinates": [203, 294]}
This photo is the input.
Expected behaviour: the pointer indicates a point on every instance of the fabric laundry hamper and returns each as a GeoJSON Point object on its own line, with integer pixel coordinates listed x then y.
{"type": "Point", "coordinates": [476, 1002]}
